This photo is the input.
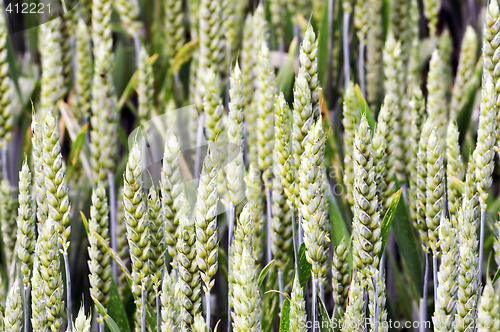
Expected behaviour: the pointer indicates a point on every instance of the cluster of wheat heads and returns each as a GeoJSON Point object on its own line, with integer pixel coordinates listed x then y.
{"type": "Point", "coordinates": [323, 180]}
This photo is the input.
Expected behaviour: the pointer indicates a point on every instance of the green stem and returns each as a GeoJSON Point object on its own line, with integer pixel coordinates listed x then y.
{"type": "Point", "coordinates": [158, 310]}
{"type": "Point", "coordinates": [314, 299]}
{"type": "Point", "coordinates": [26, 307]}
{"type": "Point", "coordinates": [68, 289]}
{"type": "Point", "coordinates": [199, 138]}
{"type": "Point", "coordinates": [143, 309]}
{"type": "Point", "coordinates": [269, 210]}
{"type": "Point", "coordinates": [230, 231]}
{"type": "Point", "coordinates": [481, 242]}
{"type": "Point", "coordinates": [281, 286]}
{"type": "Point", "coordinates": [209, 307]}
{"type": "Point", "coordinates": [376, 302]}
{"type": "Point", "coordinates": [435, 275]}
{"type": "Point", "coordinates": [423, 303]}
{"type": "Point", "coordinates": [345, 41]}
{"type": "Point", "coordinates": [113, 222]}
{"type": "Point", "coordinates": [177, 88]}
{"type": "Point", "coordinates": [361, 65]}
{"type": "Point", "coordinates": [294, 237]}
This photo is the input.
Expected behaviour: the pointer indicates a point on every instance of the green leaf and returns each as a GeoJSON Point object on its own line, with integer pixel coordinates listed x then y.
{"type": "Point", "coordinates": [496, 277]}
{"type": "Point", "coordinates": [151, 316]}
{"type": "Point", "coordinates": [264, 272]}
{"type": "Point", "coordinates": [285, 317]}
{"type": "Point", "coordinates": [339, 229]}
{"type": "Point", "coordinates": [222, 258]}
{"type": "Point", "coordinates": [364, 108]}
{"type": "Point", "coordinates": [325, 322]}
{"type": "Point", "coordinates": [132, 83]}
{"type": "Point", "coordinates": [464, 115]}
{"type": "Point", "coordinates": [389, 216]}
{"type": "Point", "coordinates": [76, 148]}
{"type": "Point", "coordinates": [323, 39]}
{"type": "Point", "coordinates": [184, 55]}
{"type": "Point", "coordinates": [110, 323]}
{"type": "Point", "coordinates": [408, 245]}
{"type": "Point", "coordinates": [85, 222]}
{"type": "Point", "coordinates": [116, 308]}
{"type": "Point", "coordinates": [286, 74]}
{"type": "Point", "coordinates": [304, 267]}
{"type": "Point", "coordinates": [115, 257]}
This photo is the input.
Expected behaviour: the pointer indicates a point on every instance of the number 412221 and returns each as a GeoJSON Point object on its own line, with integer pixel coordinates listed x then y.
{"type": "Point", "coordinates": [28, 8]}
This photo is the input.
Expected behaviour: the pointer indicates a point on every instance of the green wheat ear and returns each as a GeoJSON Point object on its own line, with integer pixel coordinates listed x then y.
{"type": "Point", "coordinates": [298, 316]}
{"type": "Point", "coordinates": [172, 199]}
{"type": "Point", "coordinates": [25, 224]}
{"type": "Point", "coordinates": [282, 222]}
{"type": "Point", "coordinates": [366, 224]}
{"type": "Point", "coordinates": [51, 277]}
{"type": "Point", "coordinates": [82, 323]}
{"type": "Point", "coordinates": [188, 282]}
{"type": "Point", "coordinates": [174, 28]}
{"type": "Point", "coordinates": [157, 243]}
{"type": "Point", "coordinates": [169, 305]}
{"type": "Point", "coordinates": [447, 276]}
{"type": "Point", "coordinates": [340, 277]}
{"type": "Point", "coordinates": [6, 86]}
{"type": "Point", "coordinates": [245, 291]}
{"type": "Point", "coordinates": [354, 316]}
{"type": "Point", "coordinates": [350, 116]}
{"type": "Point", "coordinates": [7, 219]}
{"type": "Point", "coordinates": [56, 186]}
{"type": "Point", "coordinates": [488, 317]}
{"type": "Point", "coordinates": [311, 210]}
{"type": "Point", "coordinates": [206, 219]}
{"type": "Point", "coordinates": [13, 320]}
{"type": "Point", "coordinates": [100, 262]}
{"type": "Point", "coordinates": [137, 224]}
{"type": "Point", "coordinates": [145, 87]}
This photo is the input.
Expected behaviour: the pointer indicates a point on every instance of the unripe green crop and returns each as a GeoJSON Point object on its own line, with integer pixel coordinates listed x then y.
{"type": "Point", "coordinates": [207, 243]}
{"type": "Point", "coordinates": [298, 316]}
{"type": "Point", "coordinates": [189, 275]}
{"type": "Point", "coordinates": [366, 224]}
{"type": "Point", "coordinates": [100, 262]}
{"type": "Point", "coordinates": [13, 320]}
{"type": "Point", "coordinates": [340, 277]}
{"type": "Point", "coordinates": [7, 220]}
{"type": "Point", "coordinates": [25, 224]}
{"type": "Point", "coordinates": [6, 86]}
